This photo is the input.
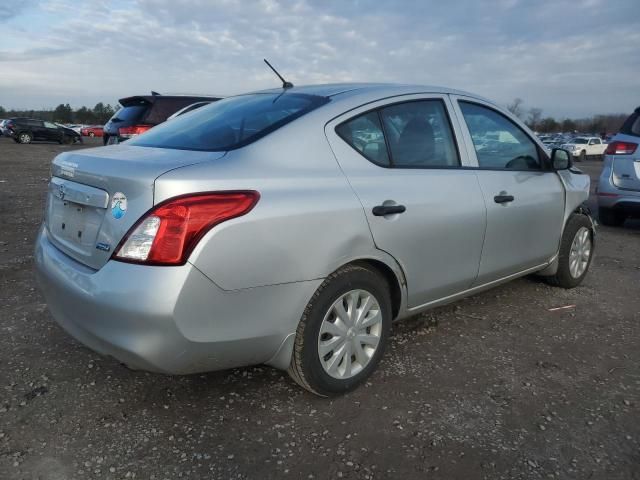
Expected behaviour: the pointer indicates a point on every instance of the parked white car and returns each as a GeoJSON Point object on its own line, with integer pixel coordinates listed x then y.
{"type": "Point", "coordinates": [581, 147]}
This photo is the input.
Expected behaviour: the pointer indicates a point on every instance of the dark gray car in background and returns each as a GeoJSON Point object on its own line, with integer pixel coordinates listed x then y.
{"type": "Point", "coordinates": [139, 113]}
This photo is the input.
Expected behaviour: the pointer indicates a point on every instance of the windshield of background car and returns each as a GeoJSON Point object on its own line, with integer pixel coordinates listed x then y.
{"type": "Point", "coordinates": [230, 123]}
{"type": "Point", "coordinates": [580, 141]}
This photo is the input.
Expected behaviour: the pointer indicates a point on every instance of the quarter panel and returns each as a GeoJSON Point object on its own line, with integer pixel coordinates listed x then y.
{"type": "Point", "coordinates": [307, 219]}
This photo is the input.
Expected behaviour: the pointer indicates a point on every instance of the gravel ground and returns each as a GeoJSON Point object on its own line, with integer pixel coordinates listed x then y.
{"type": "Point", "coordinates": [495, 386]}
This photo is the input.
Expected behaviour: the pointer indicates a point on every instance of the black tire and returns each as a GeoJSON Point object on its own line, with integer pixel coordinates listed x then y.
{"type": "Point", "coordinates": [563, 277]}
{"type": "Point", "coordinates": [24, 137]}
{"type": "Point", "coordinates": [305, 367]}
{"type": "Point", "coordinates": [583, 156]}
{"type": "Point", "coordinates": [610, 217]}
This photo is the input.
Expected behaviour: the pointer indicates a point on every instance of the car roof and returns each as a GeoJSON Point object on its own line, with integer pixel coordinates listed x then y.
{"type": "Point", "coordinates": [382, 89]}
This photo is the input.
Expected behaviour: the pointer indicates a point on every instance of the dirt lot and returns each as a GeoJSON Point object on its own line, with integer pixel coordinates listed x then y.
{"type": "Point", "coordinates": [495, 386]}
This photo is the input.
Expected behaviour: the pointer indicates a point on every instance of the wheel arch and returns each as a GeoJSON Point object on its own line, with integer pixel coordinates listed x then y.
{"type": "Point", "coordinates": [383, 264]}
{"type": "Point", "coordinates": [582, 209]}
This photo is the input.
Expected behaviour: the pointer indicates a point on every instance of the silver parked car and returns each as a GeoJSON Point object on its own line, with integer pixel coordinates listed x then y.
{"type": "Point", "coordinates": [619, 184]}
{"type": "Point", "coordinates": [291, 226]}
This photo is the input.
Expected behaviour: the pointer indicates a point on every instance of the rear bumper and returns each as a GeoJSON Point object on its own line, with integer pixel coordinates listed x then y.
{"type": "Point", "coordinates": [167, 319]}
{"type": "Point", "coordinates": [618, 199]}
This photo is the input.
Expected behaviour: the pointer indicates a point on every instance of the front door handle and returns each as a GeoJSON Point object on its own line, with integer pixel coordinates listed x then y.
{"type": "Point", "coordinates": [503, 198]}
{"type": "Point", "coordinates": [382, 210]}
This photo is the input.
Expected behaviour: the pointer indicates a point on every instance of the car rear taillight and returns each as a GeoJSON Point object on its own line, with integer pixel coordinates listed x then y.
{"type": "Point", "coordinates": [128, 132]}
{"type": "Point", "coordinates": [169, 232]}
{"type": "Point", "coordinates": [621, 148]}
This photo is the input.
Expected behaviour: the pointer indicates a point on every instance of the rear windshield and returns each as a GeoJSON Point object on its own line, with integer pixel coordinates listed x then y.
{"type": "Point", "coordinates": [131, 114]}
{"type": "Point", "coordinates": [632, 125]}
{"type": "Point", "coordinates": [230, 123]}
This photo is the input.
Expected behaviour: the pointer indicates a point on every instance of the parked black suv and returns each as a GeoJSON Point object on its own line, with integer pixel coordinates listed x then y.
{"type": "Point", "coordinates": [26, 130]}
{"type": "Point", "coordinates": [141, 112]}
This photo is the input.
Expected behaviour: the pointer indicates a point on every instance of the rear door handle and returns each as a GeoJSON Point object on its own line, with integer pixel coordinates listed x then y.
{"type": "Point", "coordinates": [503, 198]}
{"type": "Point", "coordinates": [382, 210]}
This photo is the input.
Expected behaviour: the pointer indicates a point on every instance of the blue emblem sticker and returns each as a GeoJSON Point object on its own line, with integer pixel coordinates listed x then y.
{"type": "Point", "coordinates": [118, 205]}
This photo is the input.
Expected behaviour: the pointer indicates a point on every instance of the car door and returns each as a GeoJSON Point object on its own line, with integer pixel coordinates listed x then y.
{"type": "Point", "coordinates": [36, 127]}
{"type": "Point", "coordinates": [595, 147]}
{"type": "Point", "coordinates": [52, 132]}
{"type": "Point", "coordinates": [525, 199]}
{"type": "Point", "coordinates": [422, 206]}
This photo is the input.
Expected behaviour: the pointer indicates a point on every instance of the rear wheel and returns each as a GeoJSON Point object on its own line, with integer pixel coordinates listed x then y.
{"type": "Point", "coordinates": [576, 252]}
{"type": "Point", "coordinates": [610, 217]}
{"type": "Point", "coordinates": [24, 137]}
{"type": "Point", "coordinates": [343, 332]}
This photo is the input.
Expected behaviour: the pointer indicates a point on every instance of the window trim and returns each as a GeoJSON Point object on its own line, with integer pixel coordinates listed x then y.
{"type": "Point", "coordinates": [362, 114]}
{"type": "Point", "coordinates": [378, 109]}
{"type": "Point", "coordinates": [543, 158]}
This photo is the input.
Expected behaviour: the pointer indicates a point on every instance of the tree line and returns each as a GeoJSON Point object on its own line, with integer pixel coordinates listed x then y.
{"type": "Point", "coordinates": [610, 123]}
{"type": "Point", "coordinates": [63, 113]}
{"type": "Point", "coordinates": [101, 113]}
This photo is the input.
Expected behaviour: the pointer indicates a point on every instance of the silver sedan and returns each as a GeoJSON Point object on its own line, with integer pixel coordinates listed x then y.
{"type": "Point", "coordinates": [292, 226]}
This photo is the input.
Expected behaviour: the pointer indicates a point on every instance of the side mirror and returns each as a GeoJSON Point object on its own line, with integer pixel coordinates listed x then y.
{"type": "Point", "coordinates": [561, 159]}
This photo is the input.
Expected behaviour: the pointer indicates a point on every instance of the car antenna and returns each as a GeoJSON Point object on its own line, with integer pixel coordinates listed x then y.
{"type": "Point", "coordinates": [285, 84]}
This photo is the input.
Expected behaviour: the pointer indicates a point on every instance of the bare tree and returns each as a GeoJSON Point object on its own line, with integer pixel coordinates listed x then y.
{"type": "Point", "coordinates": [535, 115]}
{"type": "Point", "coordinates": [516, 108]}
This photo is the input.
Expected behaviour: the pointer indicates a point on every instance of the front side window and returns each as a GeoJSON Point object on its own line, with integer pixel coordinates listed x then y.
{"type": "Point", "coordinates": [364, 133]}
{"type": "Point", "coordinates": [50, 125]}
{"type": "Point", "coordinates": [230, 123]}
{"type": "Point", "coordinates": [499, 143]}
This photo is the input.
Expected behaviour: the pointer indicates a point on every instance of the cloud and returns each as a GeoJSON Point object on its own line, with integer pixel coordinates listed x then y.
{"type": "Point", "coordinates": [501, 49]}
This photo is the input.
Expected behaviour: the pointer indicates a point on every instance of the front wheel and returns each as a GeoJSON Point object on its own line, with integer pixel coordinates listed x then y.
{"type": "Point", "coordinates": [24, 138]}
{"type": "Point", "coordinates": [576, 252]}
{"type": "Point", "coordinates": [583, 156]}
{"type": "Point", "coordinates": [342, 334]}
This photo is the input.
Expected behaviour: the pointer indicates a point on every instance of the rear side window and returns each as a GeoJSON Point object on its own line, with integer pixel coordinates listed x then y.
{"type": "Point", "coordinates": [499, 143]}
{"type": "Point", "coordinates": [414, 134]}
{"type": "Point", "coordinates": [230, 123]}
{"type": "Point", "coordinates": [164, 108]}
{"type": "Point", "coordinates": [364, 133]}
{"type": "Point", "coordinates": [632, 125]}
{"type": "Point", "coordinates": [419, 135]}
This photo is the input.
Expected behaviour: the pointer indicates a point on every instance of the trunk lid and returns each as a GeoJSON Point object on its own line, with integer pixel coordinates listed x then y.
{"type": "Point", "coordinates": [626, 168]}
{"type": "Point", "coordinates": [96, 195]}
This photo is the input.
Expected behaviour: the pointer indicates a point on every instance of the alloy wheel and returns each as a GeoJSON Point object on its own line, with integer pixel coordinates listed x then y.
{"type": "Point", "coordinates": [580, 252]}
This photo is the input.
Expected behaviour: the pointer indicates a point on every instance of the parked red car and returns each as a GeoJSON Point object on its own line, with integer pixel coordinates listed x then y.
{"type": "Point", "coordinates": [95, 131]}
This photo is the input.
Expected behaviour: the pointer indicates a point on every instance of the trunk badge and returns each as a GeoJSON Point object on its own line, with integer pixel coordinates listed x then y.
{"type": "Point", "coordinates": [105, 247]}
{"type": "Point", "coordinates": [118, 205]}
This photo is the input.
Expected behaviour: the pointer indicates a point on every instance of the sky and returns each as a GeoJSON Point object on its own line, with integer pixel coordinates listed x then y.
{"type": "Point", "coordinates": [571, 58]}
